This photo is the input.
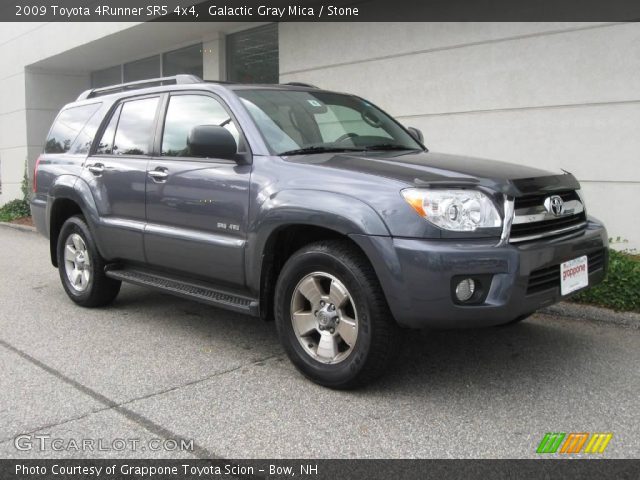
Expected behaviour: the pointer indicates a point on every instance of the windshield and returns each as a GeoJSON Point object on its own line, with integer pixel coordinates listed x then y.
{"type": "Point", "coordinates": [315, 122]}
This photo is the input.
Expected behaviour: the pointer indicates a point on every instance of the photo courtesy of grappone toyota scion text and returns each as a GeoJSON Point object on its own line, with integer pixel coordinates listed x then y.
{"type": "Point", "coordinates": [309, 207]}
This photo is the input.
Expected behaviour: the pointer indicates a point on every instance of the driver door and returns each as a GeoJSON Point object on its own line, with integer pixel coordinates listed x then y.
{"type": "Point", "coordinates": [196, 208]}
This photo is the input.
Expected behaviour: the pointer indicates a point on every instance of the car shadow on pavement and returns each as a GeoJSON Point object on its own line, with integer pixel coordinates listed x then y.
{"type": "Point", "coordinates": [539, 350]}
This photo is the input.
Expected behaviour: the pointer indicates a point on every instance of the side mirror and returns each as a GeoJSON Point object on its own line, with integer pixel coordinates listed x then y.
{"type": "Point", "coordinates": [212, 141]}
{"type": "Point", "coordinates": [417, 134]}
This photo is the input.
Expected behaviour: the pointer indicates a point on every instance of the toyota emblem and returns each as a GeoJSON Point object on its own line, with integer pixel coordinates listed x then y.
{"type": "Point", "coordinates": [554, 205]}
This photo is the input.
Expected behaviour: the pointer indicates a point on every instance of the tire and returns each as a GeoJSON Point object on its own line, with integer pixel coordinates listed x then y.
{"type": "Point", "coordinates": [83, 263]}
{"type": "Point", "coordinates": [365, 338]}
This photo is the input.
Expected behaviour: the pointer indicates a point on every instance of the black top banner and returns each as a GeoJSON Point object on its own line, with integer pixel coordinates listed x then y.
{"type": "Point", "coordinates": [318, 10]}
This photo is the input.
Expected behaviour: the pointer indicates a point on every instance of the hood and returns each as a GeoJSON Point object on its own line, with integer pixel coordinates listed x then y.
{"type": "Point", "coordinates": [425, 169]}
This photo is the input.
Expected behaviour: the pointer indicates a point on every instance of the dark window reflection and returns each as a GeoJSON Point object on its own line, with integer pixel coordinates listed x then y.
{"type": "Point", "coordinates": [106, 77]}
{"type": "Point", "coordinates": [186, 112]}
{"type": "Point", "coordinates": [68, 126]}
{"type": "Point", "coordinates": [252, 55]}
{"type": "Point", "coordinates": [186, 60]}
{"type": "Point", "coordinates": [142, 69]}
{"type": "Point", "coordinates": [133, 134]}
{"type": "Point", "coordinates": [105, 146]}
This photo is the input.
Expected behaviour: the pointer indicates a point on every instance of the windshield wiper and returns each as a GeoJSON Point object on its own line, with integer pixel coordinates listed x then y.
{"type": "Point", "coordinates": [389, 146]}
{"type": "Point", "coordinates": [319, 149]}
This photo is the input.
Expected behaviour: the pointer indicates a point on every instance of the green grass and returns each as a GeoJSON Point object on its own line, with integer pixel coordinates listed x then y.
{"type": "Point", "coordinates": [620, 290]}
{"type": "Point", "coordinates": [14, 209]}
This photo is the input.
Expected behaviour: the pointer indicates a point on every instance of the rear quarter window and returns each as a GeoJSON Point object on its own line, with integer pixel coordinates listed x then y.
{"type": "Point", "coordinates": [69, 126]}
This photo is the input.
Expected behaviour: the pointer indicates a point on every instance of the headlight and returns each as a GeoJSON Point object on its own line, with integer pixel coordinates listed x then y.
{"type": "Point", "coordinates": [457, 210]}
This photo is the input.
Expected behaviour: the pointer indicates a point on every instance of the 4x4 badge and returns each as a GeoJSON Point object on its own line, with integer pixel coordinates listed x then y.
{"type": "Point", "coordinates": [554, 204]}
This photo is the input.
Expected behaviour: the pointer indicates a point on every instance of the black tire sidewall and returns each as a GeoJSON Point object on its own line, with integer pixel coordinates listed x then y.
{"type": "Point", "coordinates": [71, 226]}
{"type": "Point", "coordinates": [300, 265]}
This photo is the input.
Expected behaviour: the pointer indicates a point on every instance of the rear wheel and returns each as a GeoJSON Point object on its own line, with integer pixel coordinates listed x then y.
{"type": "Point", "coordinates": [81, 267]}
{"type": "Point", "coordinates": [332, 317]}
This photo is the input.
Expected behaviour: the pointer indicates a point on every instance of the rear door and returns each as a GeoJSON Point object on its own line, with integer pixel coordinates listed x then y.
{"type": "Point", "coordinates": [116, 172]}
{"type": "Point", "coordinates": [197, 208]}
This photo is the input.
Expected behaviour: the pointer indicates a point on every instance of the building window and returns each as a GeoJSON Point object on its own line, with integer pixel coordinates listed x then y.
{"type": "Point", "coordinates": [106, 77]}
{"type": "Point", "coordinates": [185, 60]}
{"type": "Point", "coordinates": [142, 69]}
{"type": "Point", "coordinates": [252, 55]}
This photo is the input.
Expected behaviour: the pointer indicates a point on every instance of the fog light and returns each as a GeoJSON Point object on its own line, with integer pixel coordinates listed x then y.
{"type": "Point", "coordinates": [465, 289]}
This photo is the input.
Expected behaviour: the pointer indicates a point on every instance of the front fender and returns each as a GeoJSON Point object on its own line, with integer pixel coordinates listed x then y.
{"type": "Point", "coordinates": [334, 211]}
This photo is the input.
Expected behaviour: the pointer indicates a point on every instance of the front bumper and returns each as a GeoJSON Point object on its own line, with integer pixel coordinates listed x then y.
{"type": "Point", "coordinates": [416, 275]}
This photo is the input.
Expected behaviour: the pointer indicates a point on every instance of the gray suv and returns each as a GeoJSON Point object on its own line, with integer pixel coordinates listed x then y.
{"type": "Point", "coordinates": [310, 207]}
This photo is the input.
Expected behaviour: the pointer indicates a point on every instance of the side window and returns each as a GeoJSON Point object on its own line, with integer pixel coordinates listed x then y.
{"type": "Point", "coordinates": [135, 127]}
{"type": "Point", "coordinates": [67, 128]}
{"type": "Point", "coordinates": [83, 142]}
{"type": "Point", "coordinates": [105, 146]}
{"type": "Point", "coordinates": [184, 113]}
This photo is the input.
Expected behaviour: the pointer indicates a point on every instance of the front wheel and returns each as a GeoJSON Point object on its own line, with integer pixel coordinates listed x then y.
{"type": "Point", "coordinates": [81, 267]}
{"type": "Point", "coordinates": [332, 317]}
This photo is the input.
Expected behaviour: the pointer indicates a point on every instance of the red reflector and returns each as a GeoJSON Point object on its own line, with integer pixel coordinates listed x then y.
{"type": "Point", "coordinates": [35, 174]}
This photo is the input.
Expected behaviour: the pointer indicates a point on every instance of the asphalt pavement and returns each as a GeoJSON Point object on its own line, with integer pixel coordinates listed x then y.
{"type": "Point", "coordinates": [154, 370]}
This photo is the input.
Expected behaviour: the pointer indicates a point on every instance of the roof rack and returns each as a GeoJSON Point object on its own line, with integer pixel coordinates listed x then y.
{"type": "Point", "coordinates": [299, 84]}
{"type": "Point", "coordinates": [176, 79]}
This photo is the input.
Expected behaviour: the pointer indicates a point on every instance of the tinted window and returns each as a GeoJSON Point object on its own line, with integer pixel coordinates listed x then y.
{"type": "Point", "coordinates": [106, 142]}
{"type": "Point", "coordinates": [82, 144]}
{"type": "Point", "coordinates": [68, 126]}
{"type": "Point", "coordinates": [186, 112]}
{"type": "Point", "coordinates": [133, 134]}
{"type": "Point", "coordinates": [142, 69]}
{"type": "Point", "coordinates": [106, 77]}
{"type": "Point", "coordinates": [253, 55]}
{"type": "Point", "coordinates": [185, 60]}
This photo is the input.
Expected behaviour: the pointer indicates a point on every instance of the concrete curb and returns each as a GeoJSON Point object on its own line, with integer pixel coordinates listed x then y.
{"type": "Point", "coordinates": [15, 226]}
{"type": "Point", "coordinates": [597, 314]}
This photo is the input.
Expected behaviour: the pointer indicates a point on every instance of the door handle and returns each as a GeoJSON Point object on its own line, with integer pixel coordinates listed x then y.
{"type": "Point", "coordinates": [96, 168]}
{"type": "Point", "coordinates": [159, 175]}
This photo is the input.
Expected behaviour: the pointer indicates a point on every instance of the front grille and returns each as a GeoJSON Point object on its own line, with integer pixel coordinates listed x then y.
{"type": "Point", "coordinates": [523, 230]}
{"type": "Point", "coordinates": [549, 277]}
{"type": "Point", "coordinates": [529, 201]}
{"type": "Point", "coordinates": [532, 220]}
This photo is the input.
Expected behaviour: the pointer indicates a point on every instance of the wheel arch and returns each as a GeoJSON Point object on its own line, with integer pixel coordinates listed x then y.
{"type": "Point", "coordinates": [65, 200]}
{"type": "Point", "coordinates": [280, 245]}
{"type": "Point", "coordinates": [290, 219]}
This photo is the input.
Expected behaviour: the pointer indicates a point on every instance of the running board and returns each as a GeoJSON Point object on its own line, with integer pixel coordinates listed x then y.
{"type": "Point", "coordinates": [195, 291]}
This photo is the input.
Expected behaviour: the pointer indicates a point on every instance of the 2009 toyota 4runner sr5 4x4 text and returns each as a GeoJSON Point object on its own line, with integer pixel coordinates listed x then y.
{"type": "Point", "coordinates": [313, 208]}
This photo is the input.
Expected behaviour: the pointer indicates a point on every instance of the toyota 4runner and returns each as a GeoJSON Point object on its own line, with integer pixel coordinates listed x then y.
{"type": "Point", "coordinates": [313, 208]}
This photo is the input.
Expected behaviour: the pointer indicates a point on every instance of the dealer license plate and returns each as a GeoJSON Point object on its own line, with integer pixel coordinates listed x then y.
{"type": "Point", "coordinates": [574, 275]}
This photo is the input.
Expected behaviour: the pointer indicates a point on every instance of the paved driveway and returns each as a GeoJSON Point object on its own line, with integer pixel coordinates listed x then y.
{"type": "Point", "coordinates": [156, 367]}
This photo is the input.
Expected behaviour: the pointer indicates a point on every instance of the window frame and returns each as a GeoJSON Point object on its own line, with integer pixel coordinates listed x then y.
{"type": "Point", "coordinates": [246, 155]}
{"type": "Point", "coordinates": [112, 111]}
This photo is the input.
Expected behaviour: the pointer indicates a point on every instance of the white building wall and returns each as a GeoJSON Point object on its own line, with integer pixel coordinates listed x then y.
{"type": "Point", "coordinates": [553, 95]}
{"type": "Point", "coordinates": [43, 66]}
{"type": "Point", "coordinates": [30, 98]}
